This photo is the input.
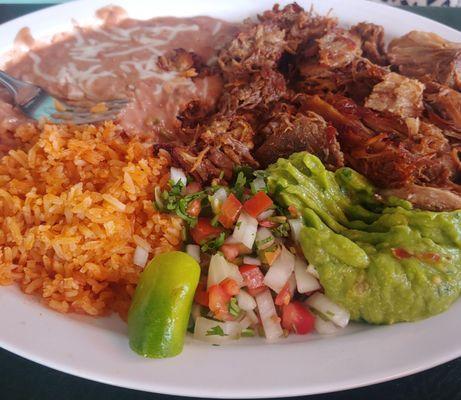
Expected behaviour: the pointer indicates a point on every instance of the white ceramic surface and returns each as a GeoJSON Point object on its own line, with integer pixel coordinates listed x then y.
{"type": "Point", "coordinates": [97, 349]}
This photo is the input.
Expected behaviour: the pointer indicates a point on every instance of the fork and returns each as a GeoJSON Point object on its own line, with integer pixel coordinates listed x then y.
{"type": "Point", "coordinates": [38, 104]}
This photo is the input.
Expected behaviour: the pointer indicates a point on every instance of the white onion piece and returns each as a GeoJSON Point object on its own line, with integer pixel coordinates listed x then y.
{"type": "Point", "coordinates": [265, 214]}
{"type": "Point", "coordinates": [245, 301]}
{"type": "Point", "coordinates": [252, 315]}
{"type": "Point", "coordinates": [217, 200]}
{"type": "Point", "coordinates": [221, 269]}
{"type": "Point", "coordinates": [291, 284]}
{"type": "Point", "coordinates": [245, 322]}
{"type": "Point", "coordinates": [295, 227]}
{"type": "Point", "coordinates": [328, 309]}
{"type": "Point", "coordinates": [313, 271]}
{"type": "Point", "coordinates": [194, 251]}
{"type": "Point", "coordinates": [231, 240]}
{"type": "Point", "coordinates": [245, 230]}
{"type": "Point", "coordinates": [264, 238]}
{"type": "Point", "coordinates": [280, 270]}
{"type": "Point", "coordinates": [177, 174]}
{"type": "Point", "coordinates": [325, 327]}
{"type": "Point", "coordinates": [140, 256]}
{"type": "Point", "coordinates": [251, 260]}
{"type": "Point", "coordinates": [305, 282]}
{"type": "Point", "coordinates": [269, 318]}
{"type": "Point", "coordinates": [231, 330]}
{"type": "Point", "coordinates": [259, 184]}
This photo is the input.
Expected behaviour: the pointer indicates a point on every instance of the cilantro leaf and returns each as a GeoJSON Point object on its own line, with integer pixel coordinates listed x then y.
{"type": "Point", "coordinates": [214, 244]}
{"type": "Point", "coordinates": [234, 309]}
{"type": "Point", "coordinates": [216, 331]}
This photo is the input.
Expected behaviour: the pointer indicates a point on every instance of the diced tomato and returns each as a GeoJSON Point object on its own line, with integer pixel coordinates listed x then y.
{"type": "Point", "coordinates": [232, 250]}
{"type": "Point", "coordinates": [201, 295]}
{"type": "Point", "coordinates": [296, 318]}
{"type": "Point", "coordinates": [285, 295]}
{"type": "Point", "coordinates": [253, 278]}
{"type": "Point", "coordinates": [194, 208]}
{"type": "Point", "coordinates": [293, 211]}
{"type": "Point", "coordinates": [204, 231]}
{"type": "Point", "coordinates": [230, 211]}
{"type": "Point", "coordinates": [429, 257]}
{"type": "Point", "coordinates": [268, 224]}
{"type": "Point", "coordinates": [257, 204]}
{"type": "Point", "coordinates": [193, 187]}
{"type": "Point", "coordinates": [230, 286]}
{"type": "Point", "coordinates": [219, 302]}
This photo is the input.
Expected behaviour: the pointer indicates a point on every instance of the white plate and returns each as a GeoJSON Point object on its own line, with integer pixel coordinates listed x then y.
{"type": "Point", "coordinates": [97, 349]}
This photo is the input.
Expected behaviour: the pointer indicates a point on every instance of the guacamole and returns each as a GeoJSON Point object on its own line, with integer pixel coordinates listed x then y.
{"type": "Point", "coordinates": [383, 261]}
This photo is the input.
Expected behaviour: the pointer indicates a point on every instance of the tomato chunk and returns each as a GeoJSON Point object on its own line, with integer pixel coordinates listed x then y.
{"type": "Point", "coordinates": [204, 231]}
{"type": "Point", "coordinates": [201, 295]}
{"type": "Point", "coordinates": [253, 278]}
{"type": "Point", "coordinates": [297, 318]}
{"type": "Point", "coordinates": [230, 251]}
{"type": "Point", "coordinates": [194, 208]}
{"type": "Point", "coordinates": [285, 295]}
{"type": "Point", "coordinates": [230, 286]}
{"type": "Point", "coordinates": [230, 211]}
{"type": "Point", "coordinates": [219, 302]}
{"type": "Point", "coordinates": [257, 204]}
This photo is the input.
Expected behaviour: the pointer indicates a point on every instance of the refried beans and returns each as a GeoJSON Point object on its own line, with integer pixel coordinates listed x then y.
{"type": "Point", "coordinates": [119, 59]}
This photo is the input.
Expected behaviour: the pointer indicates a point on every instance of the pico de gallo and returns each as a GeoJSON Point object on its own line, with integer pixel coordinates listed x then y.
{"type": "Point", "coordinates": [254, 278]}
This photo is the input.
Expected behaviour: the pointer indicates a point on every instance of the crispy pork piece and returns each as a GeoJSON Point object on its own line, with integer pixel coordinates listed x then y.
{"type": "Point", "coordinates": [215, 148]}
{"type": "Point", "coordinates": [443, 106]}
{"type": "Point", "coordinates": [426, 197]}
{"type": "Point", "coordinates": [265, 87]}
{"type": "Point", "coordinates": [300, 25]}
{"type": "Point", "coordinates": [287, 133]}
{"type": "Point", "coordinates": [187, 63]}
{"type": "Point", "coordinates": [372, 38]}
{"type": "Point", "coordinates": [427, 55]}
{"type": "Point", "coordinates": [397, 95]}
{"type": "Point", "coordinates": [389, 154]}
{"type": "Point", "coordinates": [338, 48]}
{"type": "Point", "coordinates": [257, 47]}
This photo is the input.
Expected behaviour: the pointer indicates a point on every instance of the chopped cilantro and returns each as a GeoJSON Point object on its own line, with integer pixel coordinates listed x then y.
{"type": "Point", "coordinates": [214, 244]}
{"type": "Point", "coordinates": [216, 331]}
{"type": "Point", "coordinates": [282, 230]}
{"type": "Point", "coordinates": [239, 185]}
{"type": "Point", "coordinates": [234, 309]}
{"type": "Point", "coordinates": [238, 224]}
{"type": "Point", "coordinates": [174, 201]}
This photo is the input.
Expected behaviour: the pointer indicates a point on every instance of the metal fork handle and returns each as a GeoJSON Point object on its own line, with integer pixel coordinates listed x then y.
{"type": "Point", "coordinates": [21, 91]}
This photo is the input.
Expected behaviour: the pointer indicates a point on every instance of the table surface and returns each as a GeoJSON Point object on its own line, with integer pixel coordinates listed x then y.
{"type": "Point", "coordinates": [23, 379]}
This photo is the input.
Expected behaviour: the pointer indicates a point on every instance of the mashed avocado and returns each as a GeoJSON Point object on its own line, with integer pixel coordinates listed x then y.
{"type": "Point", "coordinates": [384, 262]}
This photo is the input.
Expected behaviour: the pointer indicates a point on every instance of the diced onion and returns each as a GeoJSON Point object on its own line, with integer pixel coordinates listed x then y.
{"type": "Point", "coordinates": [245, 322]}
{"type": "Point", "coordinates": [204, 328]}
{"type": "Point", "coordinates": [177, 174]}
{"type": "Point", "coordinates": [328, 309]}
{"type": "Point", "coordinates": [325, 327]}
{"type": "Point", "coordinates": [295, 227]}
{"type": "Point", "coordinates": [305, 282]}
{"type": "Point", "coordinates": [158, 198]}
{"type": "Point", "coordinates": [269, 318]}
{"type": "Point", "coordinates": [264, 238]}
{"type": "Point", "coordinates": [221, 269]}
{"type": "Point", "coordinates": [251, 260]}
{"type": "Point", "coordinates": [194, 251]}
{"type": "Point", "coordinates": [265, 214]}
{"type": "Point", "coordinates": [245, 230]}
{"type": "Point", "coordinates": [313, 271]}
{"type": "Point", "coordinates": [252, 315]}
{"type": "Point", "coordinates": [245, 301]}
{"type": "Point", "coordinates": [258, 184]}
{"type": "Point", "coordinates": [217, 200]}
{"type": "Point", "coordinates": [280, 271]}
{"type": "Point", "coordinates": [140, 256]}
